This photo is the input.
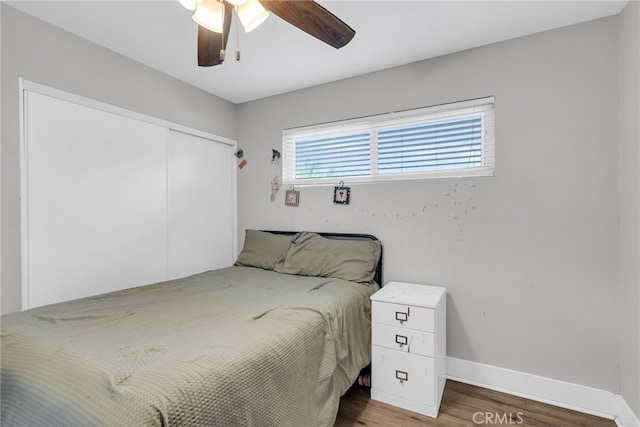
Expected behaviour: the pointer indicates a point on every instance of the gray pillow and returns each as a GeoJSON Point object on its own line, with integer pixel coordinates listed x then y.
{"type": "Point", "coordinates": [313, 255]}
{"type": "Point", "coordinates": [263, 250]}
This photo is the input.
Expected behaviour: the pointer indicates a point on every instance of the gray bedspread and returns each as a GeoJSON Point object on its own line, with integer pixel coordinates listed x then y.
{"type": "Point", "coordinates": [234, 347]}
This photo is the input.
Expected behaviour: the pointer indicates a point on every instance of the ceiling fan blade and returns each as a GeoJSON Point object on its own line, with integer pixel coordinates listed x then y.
{"type": "Point", "coordinates": [211, 43]}
{"type": "Point", "coordinates": [313, 19]}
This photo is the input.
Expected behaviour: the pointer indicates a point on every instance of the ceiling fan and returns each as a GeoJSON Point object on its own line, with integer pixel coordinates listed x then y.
{"type": "Point", "coordinates": [214, 21]}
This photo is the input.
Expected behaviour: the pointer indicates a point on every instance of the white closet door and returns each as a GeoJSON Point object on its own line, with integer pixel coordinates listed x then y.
{"type": "Point", "coordinates": [96, 201]}
{"type": "Point", "coordinates": [200, 204]}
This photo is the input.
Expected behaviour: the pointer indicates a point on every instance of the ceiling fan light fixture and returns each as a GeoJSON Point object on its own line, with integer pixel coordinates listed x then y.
{"type": "Point", "coordinates": [210, 14]}
{"type": "Point", "coordinates": [251, 14]}
{"type": "Point", "coordinates": [189, 4]}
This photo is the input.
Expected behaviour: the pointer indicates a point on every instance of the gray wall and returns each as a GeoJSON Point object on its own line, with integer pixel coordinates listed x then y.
{"type": "Point", "coordinates": [529, 257]}
{"type": "Point", "coordinates": [45, 54]}
{"type": "Point", "coordinates": [630, 205]}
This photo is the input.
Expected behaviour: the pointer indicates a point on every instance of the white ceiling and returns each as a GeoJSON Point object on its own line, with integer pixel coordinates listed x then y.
{"type": "Point", "coordinates": [278, 58]}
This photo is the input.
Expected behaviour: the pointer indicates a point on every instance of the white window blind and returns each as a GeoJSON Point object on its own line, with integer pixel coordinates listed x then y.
{"type": "Point", "coordinates": [443, 141]}
{"type": "Point", "coordinates": [343, 155]}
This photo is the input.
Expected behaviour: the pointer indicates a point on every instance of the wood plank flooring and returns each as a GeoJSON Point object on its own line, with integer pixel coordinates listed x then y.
{"type": "Point", "coordinates": [460, 404]}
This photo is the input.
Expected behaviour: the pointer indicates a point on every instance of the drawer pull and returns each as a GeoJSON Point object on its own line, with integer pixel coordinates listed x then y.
{"type": "Point", "coordinates": [402, 340]}
{"type": "Point", "coordinates": [402, 316]}
{"type": "Point", "coordinates": [402, 376]}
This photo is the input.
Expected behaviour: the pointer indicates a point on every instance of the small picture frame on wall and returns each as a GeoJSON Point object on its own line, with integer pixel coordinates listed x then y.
{"type": "Point", "coordinates": [292, 198]}
{"type": "Point", "coordinates": [341, 195]}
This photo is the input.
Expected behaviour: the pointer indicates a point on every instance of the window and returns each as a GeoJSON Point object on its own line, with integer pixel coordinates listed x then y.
{"type": "Point", "coordinates": [451, 140]}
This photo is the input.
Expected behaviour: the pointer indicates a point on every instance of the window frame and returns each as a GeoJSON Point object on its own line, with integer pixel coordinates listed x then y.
{"type": "Point", "coordinates": [485, 107]}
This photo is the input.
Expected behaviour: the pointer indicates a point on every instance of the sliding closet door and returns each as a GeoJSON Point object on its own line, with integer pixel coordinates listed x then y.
{"type": "Point", "coordinates": [113, 199]}
{"type": "Point", "coordinates": [96, 190]}
{"type": "Point", "coordinates": [200, 204]}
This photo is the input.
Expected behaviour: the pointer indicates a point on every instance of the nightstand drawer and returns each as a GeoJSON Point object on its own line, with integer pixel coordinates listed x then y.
{"type": "Point", "coordinates": [403, 375]}
{"type": "Point", "coordinates": [403, 339]}
{"type": "Point", "coordinates": [404, 316]}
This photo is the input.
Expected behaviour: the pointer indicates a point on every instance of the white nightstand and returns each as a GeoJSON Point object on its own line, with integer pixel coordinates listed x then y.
{"type": "Point", "coordinates": [408, 366]}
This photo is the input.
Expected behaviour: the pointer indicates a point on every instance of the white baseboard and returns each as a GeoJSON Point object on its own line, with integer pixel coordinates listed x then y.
{"type": "Point", "coordinates": [625, 416]}
{"type": "Point", "coordinates": [558, 393]}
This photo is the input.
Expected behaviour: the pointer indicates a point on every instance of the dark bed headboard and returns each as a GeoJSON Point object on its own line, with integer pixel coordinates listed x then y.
{"type": "Point", "coordinates": [344, 236]}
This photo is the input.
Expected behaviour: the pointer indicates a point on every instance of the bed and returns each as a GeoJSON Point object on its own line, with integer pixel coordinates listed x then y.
{"type": "Point", "coordinates": [274, 340]}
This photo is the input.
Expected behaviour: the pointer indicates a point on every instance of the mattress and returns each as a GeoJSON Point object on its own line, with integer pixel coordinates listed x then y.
{"type": "Point", "coordinates": [239, 346]}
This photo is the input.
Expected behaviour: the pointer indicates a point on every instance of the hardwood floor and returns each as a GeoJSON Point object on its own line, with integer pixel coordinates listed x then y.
{"type": "Point", "coordinates": [462, 405]}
